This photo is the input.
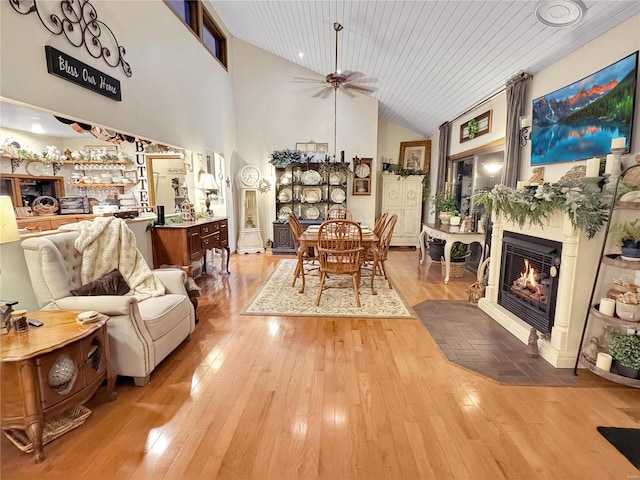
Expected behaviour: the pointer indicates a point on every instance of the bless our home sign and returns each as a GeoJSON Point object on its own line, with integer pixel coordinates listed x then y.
{"type": "Point", "coordinates": [64, 66]}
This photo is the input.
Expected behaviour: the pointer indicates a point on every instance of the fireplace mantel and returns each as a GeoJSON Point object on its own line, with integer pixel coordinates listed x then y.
{"type": "Point", "coordinates": [579, 263]}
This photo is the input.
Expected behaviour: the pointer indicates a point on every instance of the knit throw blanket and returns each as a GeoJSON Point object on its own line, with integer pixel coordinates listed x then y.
{"type": "Point", "coordinates": [107, 243]}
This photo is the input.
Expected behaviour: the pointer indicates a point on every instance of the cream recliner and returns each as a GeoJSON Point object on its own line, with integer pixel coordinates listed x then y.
{"type": "Point", "coordinates": [141, 333]}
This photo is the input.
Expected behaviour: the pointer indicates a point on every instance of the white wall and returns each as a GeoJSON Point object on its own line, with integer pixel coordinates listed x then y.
{"type": "Point", "coordinates": [178, 93]}
{"type": "Point", "coordinates": [498, 105]}
{"type": "Point", "coordinates": [605, 50]}
{"type": "Point", "coordinates": [273, 112]}
{"type": "Point", "coordinates": [390, 135]}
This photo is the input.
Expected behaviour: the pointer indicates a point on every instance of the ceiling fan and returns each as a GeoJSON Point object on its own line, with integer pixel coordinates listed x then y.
{"type": "Point", "coordinates": [339, 80]}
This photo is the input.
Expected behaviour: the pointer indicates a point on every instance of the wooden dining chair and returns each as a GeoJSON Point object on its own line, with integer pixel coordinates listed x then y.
{"type": "Point", "coordinates": [338, 213]}
{"type": "Point", "coordinates": [339, 252]}
{"type": "Point", "coordinates": [307, 256]}
{"type": "Point", "coordinates": [378, 227]}
{"type": "Point", "coordinates": [383, 248]}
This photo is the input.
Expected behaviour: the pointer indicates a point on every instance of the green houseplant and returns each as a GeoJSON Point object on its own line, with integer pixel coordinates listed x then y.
{"type": "Point", "coordinates": [627, 236]}
{"type": "Point", "coordinates": [459, 252]}
{"type": "Point", "coordinates": [625, 349]}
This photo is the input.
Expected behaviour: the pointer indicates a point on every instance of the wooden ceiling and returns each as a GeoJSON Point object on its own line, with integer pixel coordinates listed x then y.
{"type": "Point", "coordinates": [429, 61]}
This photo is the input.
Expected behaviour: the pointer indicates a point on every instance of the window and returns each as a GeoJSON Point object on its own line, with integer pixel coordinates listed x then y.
{"type": "Point", "coordinates": [213, 39]}
{"type": "Point", "coordinates": [201, 23]}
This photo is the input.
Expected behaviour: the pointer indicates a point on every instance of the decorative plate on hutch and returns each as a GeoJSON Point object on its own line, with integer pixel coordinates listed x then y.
{"type": "Point", "coordinates": [312, 194]}
{"type": "Point", "coordinates": [312, 213]}
{"type": "Point", "coordinates": [286, 179]}
{"type": "Point", "coordinates": [338, 195]}
{"type": "Point", "coordinates": [311, 177]}
{"type": "Point", "coordinates": [285, 195]}
{"type": "Point", "coordinates": [284, 211]}
{"type": "Point", "coordinates": [337, 178]}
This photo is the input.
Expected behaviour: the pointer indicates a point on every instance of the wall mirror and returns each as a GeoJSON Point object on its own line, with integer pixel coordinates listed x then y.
{"type": "Point", "coordinates": [167, 185]}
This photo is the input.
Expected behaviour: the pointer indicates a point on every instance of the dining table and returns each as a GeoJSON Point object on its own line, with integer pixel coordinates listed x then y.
{"type": "Point", "coordinates": [309, 239]}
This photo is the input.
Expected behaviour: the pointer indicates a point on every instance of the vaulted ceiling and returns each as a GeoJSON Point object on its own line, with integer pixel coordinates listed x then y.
{"type": "Point", "coordinates": [428, 61]}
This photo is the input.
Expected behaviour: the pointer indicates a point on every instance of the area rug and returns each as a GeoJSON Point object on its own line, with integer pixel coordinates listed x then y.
{"type": "Point", "coordinates": [626, 441]}
{"type": "Point", "coordinates": [473, 340]}
{"type": "Point", "coordinates": [278, 297]}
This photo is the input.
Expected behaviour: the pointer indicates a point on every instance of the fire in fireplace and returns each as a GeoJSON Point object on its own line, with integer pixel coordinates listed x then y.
{"type": "Point", "coordinates": [529, 278]}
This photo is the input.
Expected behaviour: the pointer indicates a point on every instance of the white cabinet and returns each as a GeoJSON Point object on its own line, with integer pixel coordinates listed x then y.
{"type": "Point", "coordinates": [403, 196]}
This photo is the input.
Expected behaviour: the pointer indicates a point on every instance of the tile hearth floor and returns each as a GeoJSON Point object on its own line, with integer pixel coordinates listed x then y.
{"type": "Point", "coordinates": [471, 339]}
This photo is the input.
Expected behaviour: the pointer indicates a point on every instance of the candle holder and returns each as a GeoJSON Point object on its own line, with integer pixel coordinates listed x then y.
{"type": "Point", "coordinates": [611, 178]}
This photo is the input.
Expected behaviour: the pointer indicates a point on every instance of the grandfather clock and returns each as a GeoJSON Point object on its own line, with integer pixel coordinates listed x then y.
{"type": "Point", "coordinates": [250, 239]}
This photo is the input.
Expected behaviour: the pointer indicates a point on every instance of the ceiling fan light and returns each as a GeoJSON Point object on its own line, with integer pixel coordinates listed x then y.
{"type": "Point", "coordinates": [560, 13]}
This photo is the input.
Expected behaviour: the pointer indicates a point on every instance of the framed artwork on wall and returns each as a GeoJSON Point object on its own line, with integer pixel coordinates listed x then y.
{"type": "Point", "coordinates": [477, 126]}
{"type": "Point", "coordinates": [580, 120]}
{"type": "Point", "coordinates": [362, 176]}
{"type": "Point", "coordinates": [415, 155]}
{"type": "Point", "coordinates": [312, 146]}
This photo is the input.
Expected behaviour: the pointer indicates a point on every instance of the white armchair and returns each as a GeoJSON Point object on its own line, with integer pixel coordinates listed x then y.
{"type": "Point", "coordinates": [141, 333]}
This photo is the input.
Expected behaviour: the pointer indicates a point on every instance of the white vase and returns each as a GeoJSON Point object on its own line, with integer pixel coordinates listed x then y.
{"type": "Point", "coordinates": [444, 218]}
{"type": "Point", "coordinates": [455, 220]}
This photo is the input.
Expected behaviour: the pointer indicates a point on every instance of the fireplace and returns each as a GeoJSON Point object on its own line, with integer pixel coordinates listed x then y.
{"type": "Point", "coordinates": [573, 284]}
{"type": "Point", "coordinates": [529, 278]}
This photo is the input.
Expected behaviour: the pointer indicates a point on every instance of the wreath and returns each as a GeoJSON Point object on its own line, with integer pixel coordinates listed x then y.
{"type": "Point", "coordinates": [473, 127]}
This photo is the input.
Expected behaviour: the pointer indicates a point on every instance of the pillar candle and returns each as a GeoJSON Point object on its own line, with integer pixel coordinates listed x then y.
{"type": "Point", "coordinates": [607, 306]}
{"type": "Point", "coordinates": [593, 167]}
{"type": "Point", "coordinates": [603, 361]}
{"type": "Point", "coordinates": [618, 142]}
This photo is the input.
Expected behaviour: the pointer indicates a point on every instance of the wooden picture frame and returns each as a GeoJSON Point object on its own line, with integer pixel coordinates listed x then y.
{"type": "Point", "coordinates": [484, 126]}
{"type": "Point", "coordinates": [312, 146]}
{"type": "Point", "coordinates": [415, 155]}
{"type": "Point", "coordinates": [362, 177]}
{"type": "Point", "coordinates": [131, 175]}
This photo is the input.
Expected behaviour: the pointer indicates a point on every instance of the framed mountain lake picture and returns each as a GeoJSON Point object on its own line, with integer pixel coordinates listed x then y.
{"type": "Point", "coordinates": [580, 120]}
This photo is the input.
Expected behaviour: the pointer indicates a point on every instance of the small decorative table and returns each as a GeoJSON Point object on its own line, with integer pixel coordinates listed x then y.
{"type": "Point", "coordinates": [50, 369]}
{"type": "Point", "coordinates": [450, 235]}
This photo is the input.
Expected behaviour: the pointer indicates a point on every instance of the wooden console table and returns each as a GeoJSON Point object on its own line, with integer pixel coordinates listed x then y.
{"type": "Point", "coordinates": [187, 242]}
{"type": "Point", "coordinates": [51, 369]}
{"type": "Point", "coordinates": [450, 235]}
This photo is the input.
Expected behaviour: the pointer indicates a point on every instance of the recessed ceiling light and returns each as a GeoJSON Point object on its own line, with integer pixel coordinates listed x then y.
{"type": "Point", "coordinates": [560, 13]}
{"type": "Point", "coordinates": [300, 54]}
{"type": "Point", "coordinates": [36, 128]}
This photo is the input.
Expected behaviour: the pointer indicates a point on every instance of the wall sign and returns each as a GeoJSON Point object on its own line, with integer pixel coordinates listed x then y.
{"type": "Point", "coordinates": [65, 66]}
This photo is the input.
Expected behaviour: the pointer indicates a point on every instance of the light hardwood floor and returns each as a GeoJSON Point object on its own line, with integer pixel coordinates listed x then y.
{"type": "Point", "coordinates": [331, 398]}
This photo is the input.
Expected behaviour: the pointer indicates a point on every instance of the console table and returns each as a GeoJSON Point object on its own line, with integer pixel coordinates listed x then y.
{"type": "Point", "coordinates": [187, 242]}
{"type": "Point", "coordinates": [450, 235]}
{"type": "Point", "coordinates": [50, 369]}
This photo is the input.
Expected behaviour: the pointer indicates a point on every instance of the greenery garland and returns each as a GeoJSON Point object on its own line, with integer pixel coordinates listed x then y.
{"type": "Point", "coordinates": [586, 206]}
{"type": "Point", "coordinates": [473, 127]}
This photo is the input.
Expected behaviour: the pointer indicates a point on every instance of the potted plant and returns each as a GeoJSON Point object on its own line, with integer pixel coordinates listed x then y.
{"type": "Point", "coordinates": [458, 256]}
{"type": "Point", "coordinates": [444, 205]}
{"type": "Point", "coordinates": [627, 236]}
{"type": "Point", "coordinates": [625, 350]}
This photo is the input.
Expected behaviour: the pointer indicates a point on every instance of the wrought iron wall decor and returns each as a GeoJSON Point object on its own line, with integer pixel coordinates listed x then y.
{"type": "Point", "coordinates": [78, 22]}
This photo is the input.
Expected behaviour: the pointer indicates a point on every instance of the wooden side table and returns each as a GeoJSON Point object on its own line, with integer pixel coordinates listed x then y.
{"type": "Point", "coordinates": [51, 369]}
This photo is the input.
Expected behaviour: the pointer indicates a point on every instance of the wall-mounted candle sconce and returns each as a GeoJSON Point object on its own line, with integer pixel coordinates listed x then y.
{"type": "Point", "coordinates": [525, 127]}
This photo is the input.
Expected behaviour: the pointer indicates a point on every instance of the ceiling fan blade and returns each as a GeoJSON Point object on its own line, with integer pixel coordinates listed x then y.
{"type": "Point", "coordinates": [346, 90]}
{"type": "Point", "coordinates": [352, 76]}
{"type": "Point", "coordinates": [307, 80]}
{"type": "Point", "coordinates": [324, 93]}
{"type": "Point", "coordinates": [358, 88]}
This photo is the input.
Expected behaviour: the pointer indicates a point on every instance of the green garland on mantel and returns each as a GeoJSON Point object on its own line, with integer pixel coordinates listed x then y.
{"type": "Point", "coordinates": [586, 206]}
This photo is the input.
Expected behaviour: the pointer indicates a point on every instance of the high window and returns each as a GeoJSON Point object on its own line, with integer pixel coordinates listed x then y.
{"type": "Point", "coordinates": [201, 23]}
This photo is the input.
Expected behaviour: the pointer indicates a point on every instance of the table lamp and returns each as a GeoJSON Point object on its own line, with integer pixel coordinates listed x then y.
{"type": "Point", "coordinates": [208, 184]}
{"type": "Point", "coordinates": [8, 224]}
